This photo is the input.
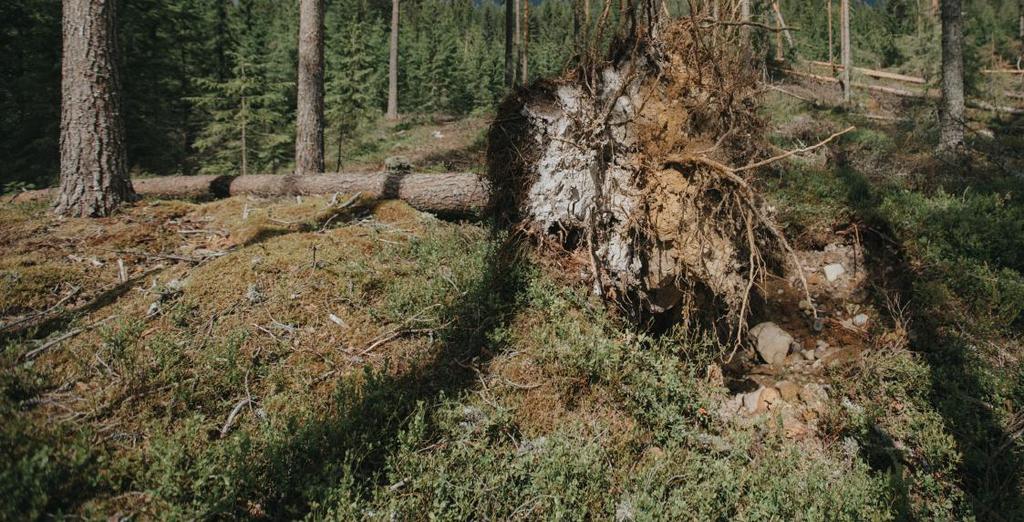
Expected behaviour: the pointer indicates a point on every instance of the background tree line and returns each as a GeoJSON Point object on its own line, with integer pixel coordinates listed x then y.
{"type": "Point", "coordinates": [196, 72]}
{"type": "Point", "coordinates": [199, 74]}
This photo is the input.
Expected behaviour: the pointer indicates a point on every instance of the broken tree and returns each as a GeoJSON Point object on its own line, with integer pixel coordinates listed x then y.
{"type": "Point", "coordinates": [637, 168]}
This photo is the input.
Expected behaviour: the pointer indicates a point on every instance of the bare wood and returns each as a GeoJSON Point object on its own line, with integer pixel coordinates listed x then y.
{"type": "Point", "coordinates": [782, 22]}
{"type": "Point", "coordinates": [874, 73]}
{"type": "Point", "coordinates": [309, 125]}
{"type": "Point", "coordinates": [452, 192]}
{"type": "Point", "coordinates": [788, 153]}
{"type": "Point", "coordinates": [1002, 71]}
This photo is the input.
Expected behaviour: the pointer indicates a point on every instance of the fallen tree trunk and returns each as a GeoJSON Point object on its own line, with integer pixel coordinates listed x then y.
{"type": "Point", "coordinates": [973, 103]}
{"type": "Point", "coordinates": [453, 192]}
{"type": "Point", "coordinates": [874, 73]}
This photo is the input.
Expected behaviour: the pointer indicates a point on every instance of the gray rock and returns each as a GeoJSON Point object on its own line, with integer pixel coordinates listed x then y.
{"type": "Point", "coordinates": [820, 345]}
{"type": "Point", "coordinates": [254, 295]}
{"type": "Point", "coordinates": [814, 396]}
{"type": "Point", "coordinates": [750, 400]}
{"type": "Point", "coordinates": [624, 512]}
{"type": "Point", "coordinates": [808, 355]}
{"type": "Point", "coordinates": [833, 272]}
{"type": "Point", "coordinates": [860, 320]}
{"type": "Point", "coordinates": [771, 342]}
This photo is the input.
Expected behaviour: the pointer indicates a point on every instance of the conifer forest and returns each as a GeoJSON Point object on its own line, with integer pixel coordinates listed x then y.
{"type": "Point", "coordinates": [621, 260]}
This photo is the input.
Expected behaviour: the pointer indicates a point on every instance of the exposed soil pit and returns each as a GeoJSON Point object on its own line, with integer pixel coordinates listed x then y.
{"type": "Point", "coordinates": [796, 387]}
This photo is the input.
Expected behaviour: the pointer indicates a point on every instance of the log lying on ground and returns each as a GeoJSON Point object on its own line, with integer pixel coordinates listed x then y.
{"type": "Point", "coordinates": [973, 103]}
{"type": "Point", "coordinates": [623, 168]}
{"type": "Point", "coordinates": [446, 193]}
{"type": "Point", "coordinates": [874, 73]}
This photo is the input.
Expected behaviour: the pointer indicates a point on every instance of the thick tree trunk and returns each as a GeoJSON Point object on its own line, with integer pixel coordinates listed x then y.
{"type": "Point", "coordinates": [393, 65]}
{"type": "Point", "coordinates": [447, 193]}
{"type": "Point", "coordinates": [510, 63]}
{"type": "Point", "coordinates": [844, 52]}
{"type": "Point", "coordinates": [93, 173]}
{"type": "Point", "coordinates": [951, 111]}
{"type": "Point", "coordinates": [309, 135]}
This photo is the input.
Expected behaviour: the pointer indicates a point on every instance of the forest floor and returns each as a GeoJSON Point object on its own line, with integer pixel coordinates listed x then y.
{"type": "Point", "coordinates": [288, 358]}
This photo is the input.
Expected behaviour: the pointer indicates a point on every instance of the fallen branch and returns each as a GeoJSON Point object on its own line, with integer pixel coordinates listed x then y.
{"type": "Point", "coordinates": [74, 291]}
{"type": "Point", "coordinates": [789, 153]}
{"type": "Point", "coordinates": [32, 354]}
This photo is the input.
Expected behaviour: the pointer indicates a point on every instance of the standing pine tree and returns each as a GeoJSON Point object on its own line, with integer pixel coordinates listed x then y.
{"type": "Point", "coordinates": [951, 112]}
{"type": "Point", "coordinates": [93, 173]}
{"type": "Point", "coordinates": [309, 128]}
{"type": "Point", "coordinates": [393, 64]}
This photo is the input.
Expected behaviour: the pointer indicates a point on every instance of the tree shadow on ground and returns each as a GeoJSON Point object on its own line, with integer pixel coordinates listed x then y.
{"type": "Point", "coordinates": [991, 462]}
{"type": "Point", "coordinates": [369, 414]}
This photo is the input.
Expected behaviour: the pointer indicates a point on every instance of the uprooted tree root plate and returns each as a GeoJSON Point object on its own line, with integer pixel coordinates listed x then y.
{"type": "Point", "coordinates": [626, 166]}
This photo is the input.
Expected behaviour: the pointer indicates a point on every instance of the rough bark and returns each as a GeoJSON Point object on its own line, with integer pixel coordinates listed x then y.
{"type": "Point", "coordinates": [510, 64]}
{"type": "Point", "coordinates": [951, 110]}
{"type": "Point", "coordinates": [446, 193]}
{"type": "Point", "coordinates": [93, 172]}
{"type": "Point", "coordinates": [393, 65]}
{"type": "Point", "coordinates": [844, 51]}
{"type": "Point", "coordinates": [309, 129]}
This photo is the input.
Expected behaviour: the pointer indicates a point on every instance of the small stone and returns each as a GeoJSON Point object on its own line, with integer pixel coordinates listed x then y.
{"type": "Point", "coordinates": [624, 512]}
{"type": "Point", "coordinates": [772, 343]}
{"type": "Point", "coordinates": [804, 304]}
{"type": "Point", "coordinates": [768, 399]}
{"type": "Point", "coordinates": [819, 324]}
{"type": "Point", "coordinates": [792, 427]}
{"type": "Point", "coordinates": [256, 260]}
{"type": "Point", "coordinates": [154, 309]}
{"type": "Point", "coordinates": [715, 376]}
{"type": "Point", "coordinates": [860, 320]}
{"type": "Point", "coordinates": [814, 396]}
{"type": "Point", "coordinates": [750, 400]}
{"type": "Point", "coordinates": [788, 390]}
{"type": "Point", "coordinates": [808, 355]}
{"type": "Point", "coordinates": [254, 295]}
{"type": "Point", "coordinates": [795, 347]}
{"type": "Point", "coordinates": [175, 285]}
{"type": "Point", "coordinates": [833, 272]}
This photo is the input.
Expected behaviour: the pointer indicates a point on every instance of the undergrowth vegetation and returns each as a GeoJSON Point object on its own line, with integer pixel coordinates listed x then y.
{"type": "Point", "coordinates": [377, 363]}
